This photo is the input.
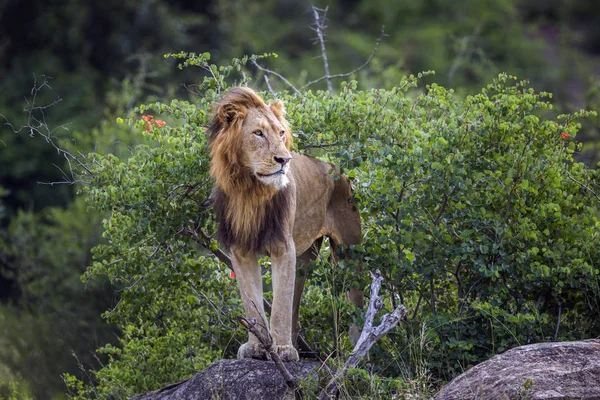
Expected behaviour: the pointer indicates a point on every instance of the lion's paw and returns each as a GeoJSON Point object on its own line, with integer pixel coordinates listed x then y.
{"type": "Point", "coordinates": [253, 350]}
{"type": "Point", "coordinates": [287, 352]}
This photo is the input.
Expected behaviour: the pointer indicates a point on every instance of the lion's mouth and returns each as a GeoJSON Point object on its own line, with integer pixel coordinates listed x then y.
{"type": "Point", "coordinates": [280, 172]}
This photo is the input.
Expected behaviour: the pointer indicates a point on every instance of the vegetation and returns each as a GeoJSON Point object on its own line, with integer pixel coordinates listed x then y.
{"type": "Point", "coordinates": [473, 209]}
{"type": "Point", "coordinates": [475, 203]}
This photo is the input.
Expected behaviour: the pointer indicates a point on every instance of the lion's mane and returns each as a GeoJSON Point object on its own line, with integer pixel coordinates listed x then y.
{"type": "Point", "coordinates": [250, 215]}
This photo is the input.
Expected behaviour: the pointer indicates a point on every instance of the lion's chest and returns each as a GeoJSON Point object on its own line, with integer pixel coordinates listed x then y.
{"type": "Point", "coordinates": [252, 227]}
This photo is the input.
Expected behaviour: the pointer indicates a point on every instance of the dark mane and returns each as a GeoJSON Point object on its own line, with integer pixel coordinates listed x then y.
{"type": "Point", "coordinates": [267, 232]}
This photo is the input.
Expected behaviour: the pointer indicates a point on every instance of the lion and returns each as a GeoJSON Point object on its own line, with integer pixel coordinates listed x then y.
{"type": "Point", "coordinates": [271, 201]}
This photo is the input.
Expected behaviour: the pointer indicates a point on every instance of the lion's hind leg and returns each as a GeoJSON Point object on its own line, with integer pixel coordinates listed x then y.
{"type": "Point", "coordinates": [302, 262]}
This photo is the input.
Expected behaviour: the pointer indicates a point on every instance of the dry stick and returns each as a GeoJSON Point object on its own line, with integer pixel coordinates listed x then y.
{"type": "Point", "coordinates": [369, 336]}
{"type": "Point", "coordinates": [269, 85]}
{"type": "Point", "coordinates": [268, 71]}
{"type": "Point", "coordinates": [267, 341]}
{"type": "Point", "coordinates": [38, 125]}
{"type": "Point", "coordinates": [320, 29]}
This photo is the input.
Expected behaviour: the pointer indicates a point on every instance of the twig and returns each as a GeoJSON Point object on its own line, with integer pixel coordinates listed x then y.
{"type": "Point", "coordinates": [268, 71]}
{"type": "Point", "coordinates": [36, 124]}
{"type": "Point", "coordinates": [558, 320]}
{"type": "Point", "coordinates": [320, 27]}
{"type": "Point", "coordinates": [269, 85]}
{"type": "Point", "coordinates": [369, 336]}
{"type": "Point", "coordinates": [267, 342]}
{"type": "Point", "coordinates": [379, 39]}
{"type": "Point", "coordinates": [582, 185]}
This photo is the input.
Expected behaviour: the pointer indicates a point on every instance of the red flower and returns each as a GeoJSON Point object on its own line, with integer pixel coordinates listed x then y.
{"type": "Point", "coordinates": [232, 275]}
{"type": "Point", "coordinates": [565, 135]}
{"type": "Point", "coordinates": [151, 121]}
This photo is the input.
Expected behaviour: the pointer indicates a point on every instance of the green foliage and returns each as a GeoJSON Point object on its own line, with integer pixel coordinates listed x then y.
{"type": "Point", "coordinates": [48, 252]}
{"type": "Point", "coordinates": [14, 391]}
{"type": "Point", "coordinates": [473, 208]}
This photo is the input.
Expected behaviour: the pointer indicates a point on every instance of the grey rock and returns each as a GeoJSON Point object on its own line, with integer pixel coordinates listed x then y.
{"type": "Point", "coordinates": [235, 379]}
{"type": "Point", "coordinates": [563, 370]}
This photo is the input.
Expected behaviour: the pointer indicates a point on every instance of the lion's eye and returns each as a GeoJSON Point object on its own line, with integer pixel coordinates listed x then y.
{"type": "Point", "coordinates": [258, 133]}
{"type": "Point", "coordinates": [281, 133]}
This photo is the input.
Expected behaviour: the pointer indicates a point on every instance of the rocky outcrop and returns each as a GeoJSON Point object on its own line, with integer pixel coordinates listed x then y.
{"type": "Point", "coordinates": [543, 371]}
{"type": "Point", "coordinates": [565, 370]}
{"type": "Point", "coordinates": [235, 379]}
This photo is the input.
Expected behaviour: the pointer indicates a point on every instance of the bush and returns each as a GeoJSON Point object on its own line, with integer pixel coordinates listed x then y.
{"type": "Point", "coordinates": [473, 209]}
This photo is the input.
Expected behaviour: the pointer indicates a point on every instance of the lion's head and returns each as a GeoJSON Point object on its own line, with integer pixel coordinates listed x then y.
{"type": "Point", "coordinates": [250, 142]}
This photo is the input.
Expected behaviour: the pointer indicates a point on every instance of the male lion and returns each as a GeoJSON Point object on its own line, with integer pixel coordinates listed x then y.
{"type": "Point", "coordinates": [271, 201]}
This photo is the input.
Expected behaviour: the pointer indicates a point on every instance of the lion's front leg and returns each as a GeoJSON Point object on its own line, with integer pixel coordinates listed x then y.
{"type": "Point", "coordinates": [247, 272]}
{"type": "Point", "coordinates": [283, 265]}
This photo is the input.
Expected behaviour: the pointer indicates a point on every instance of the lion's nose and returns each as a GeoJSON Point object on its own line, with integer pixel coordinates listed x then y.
{"type": "Point", "coordinates": [282, 160]}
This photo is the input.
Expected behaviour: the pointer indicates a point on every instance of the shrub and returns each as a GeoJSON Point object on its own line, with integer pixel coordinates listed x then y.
{"type": "Point", "coordinates": [473, 209]}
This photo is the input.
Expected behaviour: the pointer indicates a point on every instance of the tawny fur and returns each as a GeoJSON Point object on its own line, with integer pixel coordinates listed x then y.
{"type": "Point", "coordinates": [271, 201]}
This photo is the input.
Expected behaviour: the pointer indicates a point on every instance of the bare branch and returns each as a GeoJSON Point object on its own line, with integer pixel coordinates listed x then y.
{"type": "Point", "coordinates": [202, 238]}
{"type": "Point", "coordinates": [37, 125]}
{"type": "Point", "coordinates": [558, 320]}
{"type": "Point", "coordinates": [269, 85]}
{"type": "Point", "coordinates": [267, 342]}
{"type": "Point", "coordinates": [369, 336]}
{"type": "Point", "coordinates": [379, 39]}
{"type": "Point", "coordinates": [268, 71]}
{"type": "Point", "coordinates": [582, 185]}
{"type": "Point", "coordinates": [320, 26]}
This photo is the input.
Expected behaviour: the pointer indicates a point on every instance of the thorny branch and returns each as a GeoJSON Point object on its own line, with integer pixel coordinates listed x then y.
{"type": "Point", "coordinates": [37, 125]}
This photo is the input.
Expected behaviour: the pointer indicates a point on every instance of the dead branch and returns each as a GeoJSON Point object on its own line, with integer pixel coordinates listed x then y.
{"type": "Point", "coordinates": [268, 71]}
{"type": "Point", "coordinates": [269, 84]}
{"type": "Point", "coordinates": [346, 74]}
{"type": "Point", "coordinates": [369, 336]}
{"type": "Point", "coordinates": [37, 125]}
{"type": "Point", "coordinates": [267, 342]}
{"type": "Point", "coordinates": [320, 26]}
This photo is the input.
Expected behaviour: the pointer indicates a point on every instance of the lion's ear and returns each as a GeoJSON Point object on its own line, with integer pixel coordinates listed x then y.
{"type": "Point", "coordinates": [229, 113]}
{"type": "Point", "coordinates": [278, 109]}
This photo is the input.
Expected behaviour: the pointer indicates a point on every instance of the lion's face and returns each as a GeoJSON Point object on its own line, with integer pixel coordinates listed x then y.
{"type": "Point", "coordinates": [250, 142]}
{"type": "Point", "coordinates": [264, 147]}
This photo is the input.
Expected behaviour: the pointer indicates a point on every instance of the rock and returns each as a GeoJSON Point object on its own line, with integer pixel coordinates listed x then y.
{"type": "Point", "coordinates": [235, 379]}
{"type": "Point", "coordinates": [564, 370]}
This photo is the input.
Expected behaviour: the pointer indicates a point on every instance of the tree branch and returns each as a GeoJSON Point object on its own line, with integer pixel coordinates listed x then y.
{"type": "Point", "coordinates": [269, 84]}
{"type": "Point", "coordinates": [379, 39]}
{"type": "Point", "coordinates": [369, 336]}
{"type": "Point", "coordinates": [267, 342]}
{"type": "Point", "coordinates": [268, 71]}
{"type": "Point", "coordinates": [36, 125]}
{"type": "Point", "coordinates": [320, 26]}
